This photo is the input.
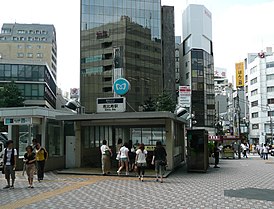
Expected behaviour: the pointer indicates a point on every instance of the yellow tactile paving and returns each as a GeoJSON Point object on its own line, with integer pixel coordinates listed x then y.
{"type": "Point", "coordinates": [73, 186]}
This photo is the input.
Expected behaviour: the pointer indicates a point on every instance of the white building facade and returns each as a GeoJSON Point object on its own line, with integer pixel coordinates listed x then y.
{"type": "Point", "coordinates": [259, 90]}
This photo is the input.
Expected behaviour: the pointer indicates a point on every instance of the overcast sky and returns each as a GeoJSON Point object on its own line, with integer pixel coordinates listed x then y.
{"type": "Point", "coordinates": [239, 27]}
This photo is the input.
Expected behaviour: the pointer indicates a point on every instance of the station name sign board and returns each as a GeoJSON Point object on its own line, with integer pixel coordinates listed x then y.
{"type": "Point", "coordinates": [112, 104]}
{"type": "Point", "coordinates": [17, 121]}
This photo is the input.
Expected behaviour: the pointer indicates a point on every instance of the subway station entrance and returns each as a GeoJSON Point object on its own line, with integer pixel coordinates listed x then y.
{"type": "Point", "coordinates": [83, 149]}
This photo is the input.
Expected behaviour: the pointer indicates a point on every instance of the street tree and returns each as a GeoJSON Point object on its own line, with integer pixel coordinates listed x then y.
{"type": "Point", "coordinates": [11, 96]}
{"type": "Point", "coordinates": [165, 103]}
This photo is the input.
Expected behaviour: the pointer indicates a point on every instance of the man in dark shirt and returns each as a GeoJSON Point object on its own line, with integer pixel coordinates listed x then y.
{"type": "Point", "coordinates": [216, 155]}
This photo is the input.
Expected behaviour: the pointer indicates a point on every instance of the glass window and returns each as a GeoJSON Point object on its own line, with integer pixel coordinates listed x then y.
{"type": "Point", "coordinates": [255, 126]}
{"type": "Point", "coordinates": [34, 90]}
{"type": "Point", "coordinates": [254, 92]}
{"type": "Point", "coordinates": [7, 70]}
{"type": "Point", "coordinates": [270, 89]}
{"type": "Point", "coordinates": [2, 70]}
{"type": "Point", "coordinates": [14, 71]}
{"type": "Point", "coordinates": [255, 115]}
{"type": "Point", "coordinates": [255, 103]}
{"type": "Point", "coordinates": [270, 101]}
{"type": "Point", "coordinates": [28, 71]}
{"type": "Point", "coordinates": [253, 81]}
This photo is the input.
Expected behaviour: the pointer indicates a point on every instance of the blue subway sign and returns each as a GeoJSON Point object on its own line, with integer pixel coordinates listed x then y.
{"type": "Point", "coordinates": [121, 86]}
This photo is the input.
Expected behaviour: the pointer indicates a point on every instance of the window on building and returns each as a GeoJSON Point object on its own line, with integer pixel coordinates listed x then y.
{"type": "Point", "coordinates": [38, 47]}
{"type": "Point", "coordinates": [254, 92]}
{"type": "Point", "coordinates": [255, 103]}
{"type": "Point", "coordinates": [253, 70]}
{"type": "Point", "coordinates": [29, 55]}
{"type": "Point", "coordinates": [106, 79]}
{"type": "Point", "coordinates": [270, 77]}
{"type": "Point", "coordinates": [19, 46]}
{"type": "Point", "coordinates": [270, 113]}
{"type": "Point", "coordinates": [21, 32]}
{"type": "Point", "coordinates": [187, 75]}
{"type": "Point", "coordinates": [246, 89]}
{"type": "Point", "coordinates": [253, 81]}
{"type": "Point", "coordinates": [269, 64]}
{"type": "Point", "coordinates": [39, 55]}
{"type": "Point", "coordinates": [55, 144]}
{"type": "Point", "coordinates": [270, 89]}
{"type": "Point", "coordinates": [28, 46]}
{"type": "Point", "coordinates": [255, 115]}
{"type": "Point", "coordinates": [255, 126]}
{"type": "Point", "coordinates": [270, 101]}
{"type": "Point", "coordinates": [20, 55]}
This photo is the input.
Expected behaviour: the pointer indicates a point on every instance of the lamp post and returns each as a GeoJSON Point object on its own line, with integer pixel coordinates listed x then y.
{"type": "Point", "coordinates": [271, 125]}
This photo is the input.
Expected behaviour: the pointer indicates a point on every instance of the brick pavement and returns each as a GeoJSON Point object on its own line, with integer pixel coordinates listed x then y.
{"type": "Point", "coordinates": [180, 190]}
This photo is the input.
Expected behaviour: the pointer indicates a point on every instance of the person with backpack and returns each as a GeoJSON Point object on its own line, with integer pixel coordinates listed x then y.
{"type": "Point", "coordinates": [10, 155]}
{"type": "Point", "coordinates": [140, 161]}
{"type": "Point", "coordinates": [41, 157]}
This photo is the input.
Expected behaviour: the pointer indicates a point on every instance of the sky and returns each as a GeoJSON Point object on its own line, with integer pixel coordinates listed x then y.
{"type": "Point", "coordinates": [239, 27]}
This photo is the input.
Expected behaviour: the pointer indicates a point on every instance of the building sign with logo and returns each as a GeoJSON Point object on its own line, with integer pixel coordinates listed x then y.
{"type": "Point", "coordinates": [184, 96]}
{"type": "Point", "coordinates": [239, 74]}
{"type": "Point", "coordinates": [111, 104]}
{"type": "Point", "coordinates": [17, 121]}
{"type": "Point", "coordinates": [121, 86]}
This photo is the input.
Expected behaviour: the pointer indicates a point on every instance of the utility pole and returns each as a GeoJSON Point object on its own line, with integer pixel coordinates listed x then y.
{"type": "Point", "coordinates": [239, 122]}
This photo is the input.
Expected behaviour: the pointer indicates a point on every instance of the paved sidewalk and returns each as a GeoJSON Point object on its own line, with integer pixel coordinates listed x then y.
{"type": "Point", "coordinates": [245, 183]}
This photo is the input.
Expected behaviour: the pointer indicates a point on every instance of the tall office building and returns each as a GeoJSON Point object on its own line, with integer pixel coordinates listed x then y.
{"type": "Point", "coordinates": [197, 67]}
{"type": "Point", "coordinates": [124, 35]}
{"type": "Point", "coordinates": [28, 56]}
{"type": "Point", "coordinates": [32, 42]}
{"type": "Point", "coordinates": [259, 91]}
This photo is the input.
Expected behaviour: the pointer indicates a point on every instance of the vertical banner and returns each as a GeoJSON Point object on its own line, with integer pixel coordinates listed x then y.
{"type": "Point", "coordinates": [117, 65]}
{"type": "Point", "coordinates": [184, 96]}
{"type": "Point", "coordinates": [239, 74]}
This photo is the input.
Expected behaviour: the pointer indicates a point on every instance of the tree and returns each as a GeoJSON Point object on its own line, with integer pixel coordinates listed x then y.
{"type": "Point", "coordinates": [165, 103]}
{"type": "Point", "coordinates": [11, 96]}
{"type": "Point", "coordinates": [149, 105]}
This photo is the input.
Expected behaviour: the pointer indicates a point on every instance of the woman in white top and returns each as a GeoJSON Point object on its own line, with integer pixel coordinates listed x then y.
{"type": "Point", "coordinates": [124, 158]}
{"type": "Point", "coordinates": [140, 161]}
{"type": "Point", "coordinates": [106, 154]}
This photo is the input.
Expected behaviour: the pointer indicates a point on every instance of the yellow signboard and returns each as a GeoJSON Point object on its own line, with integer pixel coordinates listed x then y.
{"type": "Point", "coordinates": [150, 148]}
{"type": "Point", "coordinates": [240, 74]}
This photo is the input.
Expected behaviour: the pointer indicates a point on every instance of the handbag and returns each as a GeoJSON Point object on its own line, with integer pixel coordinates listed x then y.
{"type": "Point", "coordinates": [107, 152]}
{"type": "Point", "coordinates": [162, 162]}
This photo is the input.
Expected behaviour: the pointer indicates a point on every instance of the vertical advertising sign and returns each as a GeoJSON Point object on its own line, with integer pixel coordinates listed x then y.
{"type": "Point", "coordinates": [184, 96]}
{"type": "Point", "coordinates": [117, 65]}
{"type": "Point", "coordinates": [239, 74]}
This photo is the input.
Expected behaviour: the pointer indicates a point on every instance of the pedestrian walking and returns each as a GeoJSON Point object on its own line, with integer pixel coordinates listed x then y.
{"type": "Point", "coordinates": [106, 154]}
{"type": "Point", "coordinates": [10, 155]}
{"type": "Point", "coordinates": [41, 157]}
{"type": "Point", "coordinates": [265, 152]}
{"type": "Point", "coordinates": [245, 148]}
{"type": "Point", "coordinates": [118, 147]}
{"type": "Point", "coordinates": [159, 160]}
{"type": "Point", "coordinates": [216, 155]}
{"type": "Point", "coordinates": [124, 158]}
{"type": "Point", "coordinates": [141, 162]}
{"type": "Point", "coordinates": [261, 150]}
{"type": "Point", "coordinates": [30, 159]}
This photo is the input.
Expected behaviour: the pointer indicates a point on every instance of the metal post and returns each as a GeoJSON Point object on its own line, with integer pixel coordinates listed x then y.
{"type": "Point", "coordinates": [239, 123]}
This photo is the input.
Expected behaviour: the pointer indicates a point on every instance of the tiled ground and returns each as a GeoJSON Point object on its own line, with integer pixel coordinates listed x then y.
{"type": "Point", "coordinates": [180, 190]}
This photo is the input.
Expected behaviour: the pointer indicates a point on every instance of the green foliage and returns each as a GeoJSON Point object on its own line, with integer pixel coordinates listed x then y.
{"type": "Point", "coordinates": [10, 96]}
{"type": "Point", "coordinates": [150, 105]}
{"type": "Point", "coordinates": [165, 103]}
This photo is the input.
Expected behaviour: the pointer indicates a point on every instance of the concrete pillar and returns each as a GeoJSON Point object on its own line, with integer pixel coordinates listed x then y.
{"type": "Point", "coordinates": [43, 131]}
{"type": "Point", "coordinates": [170, 135]}
{"type": "Point", "coordinates": [78, 154]}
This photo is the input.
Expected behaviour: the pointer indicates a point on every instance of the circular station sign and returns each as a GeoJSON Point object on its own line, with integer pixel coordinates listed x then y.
{"type": "Point", "coordinates": [121, 86]}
